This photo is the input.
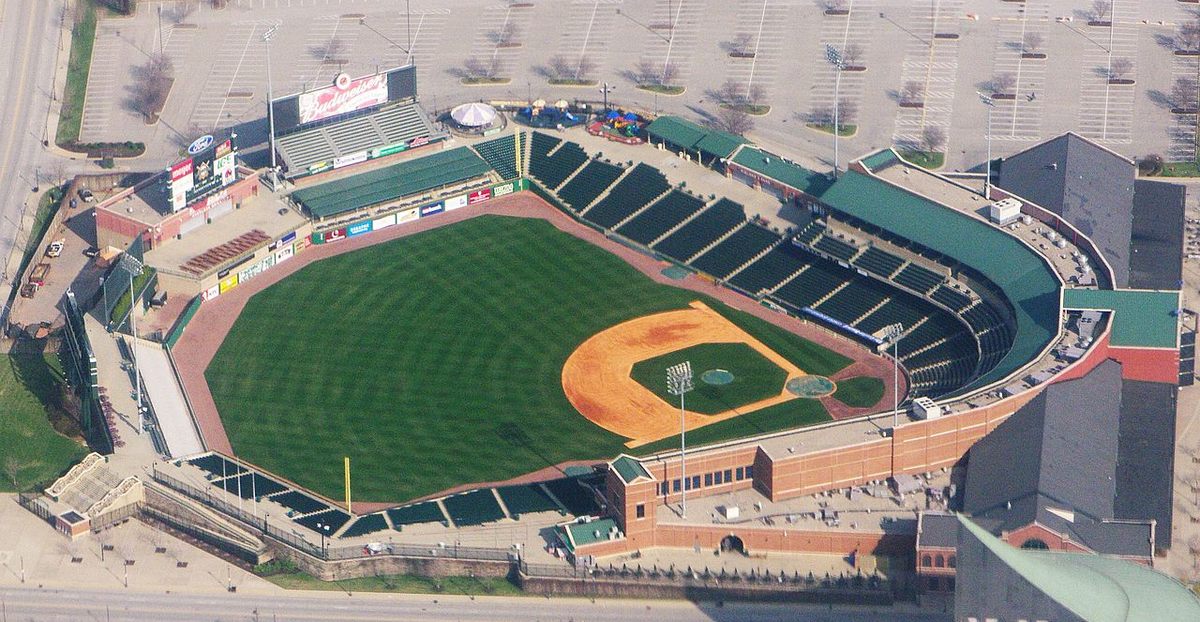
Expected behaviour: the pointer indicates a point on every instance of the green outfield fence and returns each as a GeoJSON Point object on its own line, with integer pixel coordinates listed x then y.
{"type": "Point", "coordinates": [182, 322]}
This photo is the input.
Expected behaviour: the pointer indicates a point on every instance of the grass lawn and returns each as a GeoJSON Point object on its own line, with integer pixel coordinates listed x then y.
{"type": "Point", "coordinates": [1180, 169]}
{"type": "Point", "coordinates": [83, 37]}
{"type": "Point", "coordinates": [403, 584]}
{"type": "Point", "coordinates": [931, 160]}
{"type": "Point", "coordinates": [859, 391]}
{"type": "Point", "coordinates": [754, 377]}
{"type": "Point", "coordinates": [792, 414]}
{"type": "Point", "coordinates": [663, 89]}
{"type": "Point", "coordinates": [31, 448]}
{"type": "Point", "coordinates": [436, 360]}
{"type": "Point", "coordinates": [847, 129]}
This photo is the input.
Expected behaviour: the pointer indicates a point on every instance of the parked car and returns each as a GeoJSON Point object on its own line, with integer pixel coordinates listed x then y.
{"type": "Point", "coordinates": [91, 251]}
{"type": "Point", "coordinates": [86, 195]}
{"type": "Point", "coordinates": [28, 290]}
{"type": "Point", "coordinates": [38, 276]}
{"type": "Point", "coordinates": [56, 248]}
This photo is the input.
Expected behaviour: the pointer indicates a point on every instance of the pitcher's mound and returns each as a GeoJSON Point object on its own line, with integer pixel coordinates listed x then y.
{"type": "Point", "coordinates": [717, 377]}
{"type": "Point", "coordinates": [811, 386]}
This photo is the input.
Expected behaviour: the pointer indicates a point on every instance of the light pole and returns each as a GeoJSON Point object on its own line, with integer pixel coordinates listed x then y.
{"type": "Point", "coordinates": [991, 104]}
{"type": "Point", "coordinates": [323, 529]}
{"type": "Point", "coordinates": [834, 56]}
{"type": "Point", "coordinates": [271, 107]}
{"type": "Point", "coordinates": [605, 89]}
{"type": "Point", "coordinates": [892, 333]}
{"type": "Point", "coordinates": [133, 266]}
{"type": "Point", "coordinates": [679, 382]}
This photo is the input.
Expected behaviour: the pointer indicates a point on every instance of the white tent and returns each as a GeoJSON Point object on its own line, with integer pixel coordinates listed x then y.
{"type": "Point", "coordinates": [474, 114]}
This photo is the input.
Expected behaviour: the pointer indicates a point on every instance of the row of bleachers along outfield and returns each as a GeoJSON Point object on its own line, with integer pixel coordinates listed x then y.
{"type": "Point", "coordinates": [216, 465]}
{"type": "Point", "coordinates": [540, 145]}
{"type": "Point", "coordinates": [335, 519]}
{"type": "Point", "coordinates": [637, 188]}
{"type": "Point", "coordinates": [415, 514]}
{"type": "Point", "coordinates": [720, 218]}
{"type": "Point", "coordinates": [854, 300]}
{"type": "Point", "coordinates": [249, 485]}
{"type": "Point", "coordinates": [553, 169]}
{"type": "Point", "coordinates": [574, 496]}
{"type": "Point", "coordinates": [590, 183]}
{"type": "Point", "coordinates": [364, 525]}
{"type": "Point", "coordinates": [473, 508]}
{"type": "Point", "coordinates": [299, 502]}
{"type": "Point", "coordinates": [664, 215]}
{"type": "Point", "coordinates": [734, 251]}
{"type": "Point", "coordinates": [878, 261]}
{"type": "Point", "coordinates": [501, 154]}
{"type": "Point", "coordinates": [526, 499]}
{"type": "Point", "coordinates": [391, 183]}
{"type": "Point", "coordinates": [816, 282]}
{"type": "Point", "coordinates": [771, 269]}
{"type": "Point", "coordinates": [918, 278]}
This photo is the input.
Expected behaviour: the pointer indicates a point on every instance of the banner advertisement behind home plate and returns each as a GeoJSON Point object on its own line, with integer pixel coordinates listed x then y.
{"type": "Point", "coordinates": [344, 95]}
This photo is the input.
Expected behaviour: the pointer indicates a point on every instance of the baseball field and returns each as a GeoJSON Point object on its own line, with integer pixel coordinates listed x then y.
{"type": "Point", "coordinates": [435, 360]}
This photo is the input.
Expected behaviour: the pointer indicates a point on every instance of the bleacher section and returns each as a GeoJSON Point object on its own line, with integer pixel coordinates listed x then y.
{"type": "Point", "coordinates": [500, 154]}
{"type": "Point", "coordinates": [590, 183]}
{"type": "Point", "coordinates": [250, 484]}
{"type": "Point", "coordinates": [393, 182]}
{"type": "Point", "coordinates": [735, 250]}
{"type": "Point", "coordinates": [473, 508]}
{"type": "Point", "coordinates": [335, 519]}
{"type": "Point", "coordinates": [639, 186]}
{"type": "Point", "coordinates": [836, 248]}
{"type": "Point", "coordinates": [816, 282]}
{"type": "Point", "coordinates": [918, 279]}
{"type": "Point", "coordinates": [426, 512]}
{"type": "Point", "coordinates": [661, 217]}
{"type": "Point", "coordinates": [710, 225]}
{"type": "Point", "coordinates": [388, 126]}
{"type": "Point", "coordinates": [553, 169]}
{"type": "Point", "coordinates": [578, 500]}
{"type": "Point", "coordinates": [526, 499]}
{"type": "Point", "coordinates": [365, 525]}
{"type": "Point", "coordinates": [540, 145]}
{"type": "Point", "coordinates": [903, 310]}
{"type": "Point", "coordinates": [879, 262]}
{"type": "Point", "coordinates": [216, 466]}
{"type": "Point", "coordinates": [810, 232]}
{"type": "Point", "coordinates": [952, 299]}
{"type": "Point", "coordinates": [299, 502]}
{"type": "Point", "coordinates": [770, 270]}
{"type": "Point", "coordinates": [855, 300]}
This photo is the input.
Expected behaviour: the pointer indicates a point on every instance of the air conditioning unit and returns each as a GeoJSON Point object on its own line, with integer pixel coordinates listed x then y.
{"type": "Point", "coordinates": [925, 408]}
{"type": "Point", "coordinates": [1004, 211]}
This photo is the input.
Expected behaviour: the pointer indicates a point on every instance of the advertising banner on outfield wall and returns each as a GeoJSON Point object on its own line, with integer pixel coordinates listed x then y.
{"type": "Point", "coordinates": [227, 283]}
{"type": "Point", "coordinates": [502, 190]}
{"type": "Point", "coordinates": [383, 223]}
{"type": "Point", "coordinates": [479, 196]}
{"type": "Point", "coordinates": [407, 215]}
{"type": "Point", "coordinates": [303, 243]}
{"type": "Point", "coordinates": [347, 160]}
{"type": "Point", "coordinates": [211, 292]}
{"type": "Point", "coordinates": [334, 235]}
{"type": "Point", "coordinates": [456, 202]}
{"type": "Point", "coordinates": [358, 228]}
{"type": "Point", "coordinates": [430, 210]}
{"type": "Point", "coordinates": [283, 254]}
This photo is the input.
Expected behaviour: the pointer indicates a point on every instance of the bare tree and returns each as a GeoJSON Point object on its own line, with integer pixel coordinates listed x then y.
{"type": "Point", "coordinates": [481, 68]}
{"type": "Point", "coordinates": [182, 10]}
{"type": "Point", "coordinates": [755, 94]}
{"type": "Point", "coordinates": [1032, 42]}
{"type": "Point", "coordinates": [730, 93]}
{"type": "Point", "coordinates": [12, 470]}
{"type": "Point", "coordinates": [740, 46]}
{"type": "Point", "coordinates": [1003, 82]}
{"type": "Point", "coordinates": [734, 120]}
{"type": "Point", "coordinates": [912, 93]}
{"type": "Point", "coordinates": [1188, 39]}
{"type": "Point", "coordinates": [852, 55]}
{"type": "Point", "coordinates": [669, 73]}
{"type": "Point", "coordinates": [151, 86]}
{"type": "Point", "coordinates": [1118, 68]}
{"type": "Point", "coordinates": [507, 35]}
{"type": "Point", "coordinates": [847, 112]}
{"type": "Point", "coordinates": [560, 68]}
{"type": "Point", "coordinates": [821, 115]}
{"type": "Point", "coordinates": [585, 68]}
{"type": "Point", "coordinates": [331, 50]}
{"type": "Point", "coordinates": [933, 138]}
{"type": "Point", "coordinates": [1184, 93]}
{"type": "Point", "coordinates": [1101, 9]}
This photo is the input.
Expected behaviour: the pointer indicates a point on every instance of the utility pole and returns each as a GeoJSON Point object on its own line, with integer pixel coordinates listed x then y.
{"type": "Point", "coordinates": [991, 104]}
{"type": "Point", "coordinates": [132, 266]}
{"type": "Point", "coordinates": [679, 382]}
{"type": "Point", "coordinates": [605, 90]}
{"type": "Point", "coordinates": [834, 56]}
{"type": "Point", "coordinates": [893, 332]}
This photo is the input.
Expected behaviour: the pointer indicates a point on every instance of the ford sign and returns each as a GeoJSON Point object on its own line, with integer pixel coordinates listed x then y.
{"type": "Point", "coordinates": [200, 145]}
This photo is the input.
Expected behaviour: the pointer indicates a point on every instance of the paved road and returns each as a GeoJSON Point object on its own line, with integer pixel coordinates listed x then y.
{"type": "Point", "coordinates": [29, 36]}
{"type": "Point", "coordinates": [45, 605]}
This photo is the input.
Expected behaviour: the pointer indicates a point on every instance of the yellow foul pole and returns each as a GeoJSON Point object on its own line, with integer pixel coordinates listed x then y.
{"type": "Point", "coordinates": [349, 508]}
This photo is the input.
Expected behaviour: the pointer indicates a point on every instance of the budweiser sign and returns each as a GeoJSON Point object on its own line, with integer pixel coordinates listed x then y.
{"type": "Point", "coordinates": [344, 96]}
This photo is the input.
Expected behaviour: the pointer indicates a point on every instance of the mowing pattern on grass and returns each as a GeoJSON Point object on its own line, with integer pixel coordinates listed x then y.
{"type": "Point", "coordinates": [435, 360]}
{"type": "Point", "coordinates": [754, 377]}
{"type": "Point", "coordinates": [859, 391]}
{"type": "Point", "coordinates": [29, 446]}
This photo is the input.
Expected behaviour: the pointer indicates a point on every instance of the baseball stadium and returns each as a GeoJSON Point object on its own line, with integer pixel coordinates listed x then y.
{"type": "Point", "coordinates": [424, 330]}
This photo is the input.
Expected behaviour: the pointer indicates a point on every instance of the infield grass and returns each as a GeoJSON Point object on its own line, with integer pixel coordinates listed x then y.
{"type": "Point", "coordinates": [754, 376]}
{"type": "Point", "coordinates": [436, 360]}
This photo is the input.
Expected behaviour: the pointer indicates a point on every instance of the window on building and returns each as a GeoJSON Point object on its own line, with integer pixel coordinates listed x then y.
{"type": "Point", "coordinates": [696, 482]}
{"type": "Point", "coordinates": [926, 561]}
{"type": "Point", "coordinates": [676, 486]}
{"type": "Point", "coordinates": [939, 561]}
{"type": "Point", "coordinates": [708, 480]}
{"type": "Point", "coordinates": [952, 562]}
{"type": "Point", "coordinates": [641, 510]}
{"type": "Point", "coordinates": [740, 474]}
{"type": "Point", "coordinates": [1035, 544]}
{"type": "Point", "coordinates": [719, 478]}
{"type": "Point", "coordinates": [728, 475]}
{"type": "Point", "coordinates": [749, 472]}
{"type": "Point", "coordinates": [687, 484]}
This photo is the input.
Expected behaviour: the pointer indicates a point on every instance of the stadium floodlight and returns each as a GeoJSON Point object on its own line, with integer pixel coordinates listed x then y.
{"type": "Point", "coordinates": [605, 89]}
{"type": "Point", "coordinates": [834, 56]}
{"type": "Point", "coordinates": [991, 104]}
{"type": "Point", "coordinates": [679, 382]}
{"type": "Point", "coordinates": [892, 333]}
{"type": "Point", "coordinates": [132, 266]}
{"type": "Point", "coordinates": [266, 37]}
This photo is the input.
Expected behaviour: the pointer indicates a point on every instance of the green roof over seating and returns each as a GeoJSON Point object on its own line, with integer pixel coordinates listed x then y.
{"type": "Point", "coordinates": [1022, 274]}
{"type": "Point", "coordinates": [880, 160]}
{"type": "Point", "coordinates": [1140, 318]}
{"type": "Point", "coordinates": [684, 133]}
{"type": "Point", "coordinates": [1096, 588]}
{"type": "Point", "coordinates": [788, 173]}
{"type": "Point", "coordinates": [391, 182]}
{"type": "Point", "coordinates": [583, 534]}
{"type": "Point", "coordinates": [629, 469]}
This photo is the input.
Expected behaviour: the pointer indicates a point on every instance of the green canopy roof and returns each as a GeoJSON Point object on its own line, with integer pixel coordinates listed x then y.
{"type": "Point", "coordinates": [629, 469]}
{"type": "Point", "coordinates": [684, 133]}
{"type": "Point", "coordinates": [788, 173]}
{"type": "Point", "coordinates": [391, 182]}
{"type": "Point", "coordinates": [1095, 587]}
{"type": "Point", "coordinates": [1028, 282]}
{"type": "Point", "coordinates": [1140, 318]}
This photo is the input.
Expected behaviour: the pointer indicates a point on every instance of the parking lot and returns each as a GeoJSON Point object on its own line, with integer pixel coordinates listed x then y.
{"type": "Point", "coordinates": [951, 48]}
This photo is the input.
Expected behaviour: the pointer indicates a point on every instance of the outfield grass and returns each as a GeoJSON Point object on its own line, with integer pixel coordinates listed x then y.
{"type": "Point", "coordinates": [31, 450]}
{"type": "Point", "coordinates": [436, 360]}
{"type": "Point", "coordinates": [790, 414]}
{"type": "Point", "coordinates": [402, 584]}
{"type": "Point", "coordinates": [754, 376]}
{"type": "Point", "coordinates": [859, 391]}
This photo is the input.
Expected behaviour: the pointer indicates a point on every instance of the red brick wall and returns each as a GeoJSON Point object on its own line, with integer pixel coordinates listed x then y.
{"type": "Point", "coordinates": [667, 470]}
{"type": "Point", "coordinates": [709, 537]}
{"type": "Point", "coordinates": [1147, 364]}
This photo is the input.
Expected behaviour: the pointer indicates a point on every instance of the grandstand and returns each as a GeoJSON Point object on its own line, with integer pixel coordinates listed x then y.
{"type": "Point", "coordinates": [707, 227]}
{"type": "Point", "coordinates": [364, 525]}
{"type": "Point", "coordinates": [473, 508]}
{"type": "Point", "coordinates": [558, 161]}
{"type": "Point", "coordinates": [415, 514]}
{"type": "Point", "coordinates": [396, 124]}
{"type": "Point", "coordinates": [501, 154]}
{"type": "Point", "coordinates": [641, 185]}
{"type": "Point", "coordinates": [662, 216]}
{"type": "Point", "coordinates": [526, 499]}
{"type": "Point", "coordinates": [735, 251]}
{"type": "Point", "coordinates": [589, 183]}
{"type": "Point", "coordinates": [772, 269]}
{"type": "Point", "coordinates": [878, 262]}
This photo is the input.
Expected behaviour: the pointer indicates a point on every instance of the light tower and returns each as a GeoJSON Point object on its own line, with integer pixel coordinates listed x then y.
{"type": "Point", "coordinates": [679, 382]}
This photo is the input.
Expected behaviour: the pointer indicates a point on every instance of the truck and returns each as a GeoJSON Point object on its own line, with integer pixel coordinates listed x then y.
{"type": "Point", "coordinates": [38, 276]}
